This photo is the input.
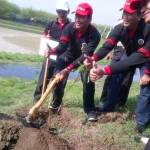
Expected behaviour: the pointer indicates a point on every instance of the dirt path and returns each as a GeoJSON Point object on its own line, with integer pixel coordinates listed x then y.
{"type": "Point", "coordinates": [18, 41]}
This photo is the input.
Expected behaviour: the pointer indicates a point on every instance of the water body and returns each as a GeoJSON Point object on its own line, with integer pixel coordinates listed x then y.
{"type": "Point", "coordinates": [28, 72]}
{"type": "Point", "coordinates": [31, 72]}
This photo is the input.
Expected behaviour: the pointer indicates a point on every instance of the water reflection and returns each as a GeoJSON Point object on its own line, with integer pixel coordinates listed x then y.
{"type": "Point", "coordinates": [136, 75]}
{"type": "Point", "coordinates": [32, 71]}
{"type": "Point", "coordinates": [24, 71]}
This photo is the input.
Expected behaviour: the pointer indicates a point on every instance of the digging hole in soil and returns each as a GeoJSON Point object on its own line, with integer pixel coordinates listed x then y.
{"type": "Point", "coordinates": [51, 135]}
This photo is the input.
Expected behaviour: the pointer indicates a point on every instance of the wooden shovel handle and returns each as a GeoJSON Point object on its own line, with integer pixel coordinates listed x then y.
{"type": "Point", "coordinates": [33, 111]}
{"type": "Point", "coordinates": [45, 75]}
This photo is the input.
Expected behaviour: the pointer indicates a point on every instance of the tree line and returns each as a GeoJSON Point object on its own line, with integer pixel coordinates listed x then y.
{"type": "Point", "coordinates": [10, 11]}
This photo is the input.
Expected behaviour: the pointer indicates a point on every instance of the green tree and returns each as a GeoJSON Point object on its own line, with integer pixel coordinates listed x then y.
{"type": "Point", "coordinates": [8, 10]}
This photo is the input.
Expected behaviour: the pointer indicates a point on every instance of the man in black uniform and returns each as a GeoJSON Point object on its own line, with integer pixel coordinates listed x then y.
{"type": "Point", "coordinates": [119, 53]}
{"type": "Point", "coordinates": [136, 41]}
{"type": "Point", "coordinates": [53, 31]}
{"type": "Point", "coordinates": [145, 79]}
{"type": "Point", "coordinates": [73, 37]}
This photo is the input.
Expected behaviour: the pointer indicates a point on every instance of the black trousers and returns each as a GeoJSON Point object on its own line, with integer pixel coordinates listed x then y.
{"type": "Point", "coordinates": [120, 82]}
{"type": "Point", "coordinates": [88, 92]}
{"type": "Point", "coordinates": [58, 91]}
{"type": "Point", "coordinates": [88, 86]}
{"type": "Point", "coordinates": [123, 90]}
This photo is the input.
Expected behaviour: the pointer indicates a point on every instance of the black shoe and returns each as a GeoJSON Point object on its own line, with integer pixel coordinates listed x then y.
{"type": "Point", "coordinates": [140, 128]}
{"type": "Point", "coordinates": [54, 109]}
{"type": "Point", "coordinates": [54, 106]}
{"type": "Point", "coordinates": [91, 116]}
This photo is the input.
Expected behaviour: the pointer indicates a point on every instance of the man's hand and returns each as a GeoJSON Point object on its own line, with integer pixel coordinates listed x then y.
{"type": "Point", "coordinates": [96, 73]}
{"type": "Point", "coordinates": [63, 74]}
{"type": "Point", "coordinates": [109, 56]}
{"type": "Point", "coordinates": [88, 62]}
{"type": "Point", "coordinates": [145, 79]}
{"type": "Point", "coordinates": [47, 53]}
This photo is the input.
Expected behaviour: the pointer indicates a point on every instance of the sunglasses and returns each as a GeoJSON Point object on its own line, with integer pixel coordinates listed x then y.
{"type": "Point", "coordinates": [61, 11]}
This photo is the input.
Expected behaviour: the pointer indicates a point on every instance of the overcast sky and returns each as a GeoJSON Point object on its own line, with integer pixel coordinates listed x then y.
{"type": "Point", "coordinates": [105, 11]}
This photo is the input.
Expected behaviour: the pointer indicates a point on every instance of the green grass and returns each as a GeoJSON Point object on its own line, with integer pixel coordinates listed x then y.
{"type": "Point", "coordinates": [17, 93]}
{"type": "Point", "coordinates": [19, 26]}
{"type": "Point", "coordinates": [19, 58]}
{"type": "Point", "coordinates": [123, 133]}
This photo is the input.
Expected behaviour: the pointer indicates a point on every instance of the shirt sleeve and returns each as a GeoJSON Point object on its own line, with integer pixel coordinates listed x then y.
{"type": "Point", "coordinates": [94, 40]}
{"type": "Point", "coordinates": [147, 69]}
{"type": "Point", "coordinates": [134, 60]}
{"type": "Point", "coordinates": [109, 44]}
{"type": "Point", "coordinates": [145, 49]}
{"type": "Point", "coordinates": [48, 28]}
{"type": "Point", "coordinates": [64, 41]}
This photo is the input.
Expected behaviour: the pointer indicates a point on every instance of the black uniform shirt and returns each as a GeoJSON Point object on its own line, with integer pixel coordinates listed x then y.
{"type": "Point", "coordinates": [71, 39]}
{"type": "Point", "coordinates": [54, 29]}
{"type": "Point", "coordinates": [137, 46]}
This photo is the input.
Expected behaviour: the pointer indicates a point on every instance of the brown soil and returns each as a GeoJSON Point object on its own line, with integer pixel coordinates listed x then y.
{"type": "Point", "coordinates": [51, 130]}
{"type": "Point", "coordinates": [113, 117]}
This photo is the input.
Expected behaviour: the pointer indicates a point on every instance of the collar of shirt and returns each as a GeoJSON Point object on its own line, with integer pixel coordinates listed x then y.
{"type": "Point", "coordinates": [80, 33]}
{"type": "Point", "coordinates": [60, 23]}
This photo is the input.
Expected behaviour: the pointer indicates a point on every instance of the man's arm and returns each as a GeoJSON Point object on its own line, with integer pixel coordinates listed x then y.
{"type": "Point", "coordinates": [133, 61]}
{"type": "Point", "coordinates": [145, 79]}
{"type": "Point", "coordinates": [64, 41]}
{"type": "Point", "coordinates": [112, 40]}
{"type": "Point", "coordinates": [91, 46]}
{"type": "Point", "coordinates": [147, 69]}
{"type": "Point", "coordinates": [109, 44]}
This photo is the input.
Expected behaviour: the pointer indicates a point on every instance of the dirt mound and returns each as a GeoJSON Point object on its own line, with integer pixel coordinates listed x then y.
{"type": "Point", "coordinates": [63, 120]}
{"type": "Point", "coordinates": [54, 132]}
{"type": "Point", "coordinates": [35, 139]}
{"type": "Point", "coordinates": [9, 134]}
{"type": "Point", "coordinates": [112, 117]}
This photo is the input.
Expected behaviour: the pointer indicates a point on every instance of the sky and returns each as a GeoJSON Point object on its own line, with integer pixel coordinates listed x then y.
{"type": "Point", "coordinates": [105, 12]}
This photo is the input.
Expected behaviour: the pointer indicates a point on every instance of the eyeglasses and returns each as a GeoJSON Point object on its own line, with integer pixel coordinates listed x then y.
{"type": "Point", "coordinates": [61, 11]}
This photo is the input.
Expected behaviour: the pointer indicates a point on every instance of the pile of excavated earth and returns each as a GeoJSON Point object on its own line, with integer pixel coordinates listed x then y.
{"type": "Point", "coordinates": [52, 132]}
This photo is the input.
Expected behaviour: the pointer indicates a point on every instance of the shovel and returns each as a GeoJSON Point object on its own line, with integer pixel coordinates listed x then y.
{"type": "Point", "coordinates": [45, 75]}
{"type": "Point", "coordinates": [33, 113]}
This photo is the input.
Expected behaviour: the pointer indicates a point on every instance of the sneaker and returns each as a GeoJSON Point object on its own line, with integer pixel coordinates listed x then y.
{"type": "Point", "coordinates": [54, 106]}
{"type": "Point", "coordinates": [140, 128]}
{"type": "Point", "coordinates": [91, 116]}
{"type": "Point", "coordinates": [54, 109]}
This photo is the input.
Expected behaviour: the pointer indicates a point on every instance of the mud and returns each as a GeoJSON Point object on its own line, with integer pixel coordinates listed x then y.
{"type": "Point", "coordinates": [9, 134]}
{"type": "Point", "coordinates": [53, 132]}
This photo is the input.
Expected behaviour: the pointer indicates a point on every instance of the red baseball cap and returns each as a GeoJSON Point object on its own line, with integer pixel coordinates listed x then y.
{"type": "Point", "coordinates": [130, 6]}
{"type": "Point", "coordinates": [84, 9]}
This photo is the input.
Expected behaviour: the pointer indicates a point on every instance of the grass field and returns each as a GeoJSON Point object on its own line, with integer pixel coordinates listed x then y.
{"type": "Point", "coordinates": [19, 58]}
{"type": "Point", "coordinates": [19, 26]}
{"type": "Point", "coordinates": [17, 93]}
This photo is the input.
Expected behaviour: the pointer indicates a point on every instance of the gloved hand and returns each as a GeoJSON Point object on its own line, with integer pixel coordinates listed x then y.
{"type": "Point", "coordinates": [96, 72]}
